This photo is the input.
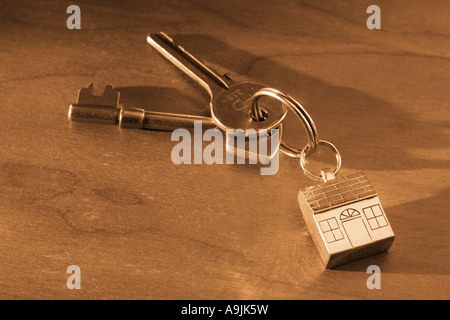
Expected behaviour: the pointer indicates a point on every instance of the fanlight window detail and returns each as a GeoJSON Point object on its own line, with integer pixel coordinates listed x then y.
{"type": "Point", "coordinates": [349, 213]}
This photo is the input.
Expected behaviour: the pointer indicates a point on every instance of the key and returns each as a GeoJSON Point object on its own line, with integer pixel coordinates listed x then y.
{"type": "Point", "coordinates": [230, 101]}
{"type": "Point", "coordinates": [107, 109]}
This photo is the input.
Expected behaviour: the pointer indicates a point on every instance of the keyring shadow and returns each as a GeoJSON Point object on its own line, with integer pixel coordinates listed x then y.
{"type": "Point", "coordinates": [348, 107]}
{"type": "Point", "coordinates": [335, 109]}
{"type": "Point", "coordinates": [340, 113]}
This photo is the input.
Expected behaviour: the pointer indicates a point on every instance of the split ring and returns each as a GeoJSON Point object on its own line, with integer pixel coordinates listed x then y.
{"type": "Point", "coordinates": [297, 109]}
{"type": "Point", "coordinates": [306, 150]}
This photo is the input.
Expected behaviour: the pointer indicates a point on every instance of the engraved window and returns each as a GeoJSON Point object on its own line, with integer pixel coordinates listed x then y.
{"type": "Point", "coordinates": [375, 217]}
{"type": "Point", "coordinates": [330, 230]}
{"type": "Point", "coordinates": [349, 213]}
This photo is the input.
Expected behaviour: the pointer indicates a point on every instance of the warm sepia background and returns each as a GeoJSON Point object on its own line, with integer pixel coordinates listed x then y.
{"type": "Point", "coordinates": [139, 227]}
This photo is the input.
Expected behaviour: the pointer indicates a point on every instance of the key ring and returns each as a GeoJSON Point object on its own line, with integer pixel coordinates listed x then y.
{"type": "Point", "coordinates": [344, 215]}
{"type": "Point", "coordinates": [297, 109]}
{"type": "Point", "coordinates": [300, 112]}
{"type": "Point", "coordinates": [306, 151]}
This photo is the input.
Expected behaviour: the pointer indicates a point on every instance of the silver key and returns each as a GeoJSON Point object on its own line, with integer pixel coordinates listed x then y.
{"type": "Point", "coordinates": [230, 101]}
{"type": "Point", "coordinates": [106, 109]}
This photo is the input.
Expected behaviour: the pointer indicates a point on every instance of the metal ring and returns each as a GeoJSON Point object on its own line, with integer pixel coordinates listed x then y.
{"type": "Point", "coordinates": [297, 109]}
{"type": "Point", "coordinates": [306, 151]}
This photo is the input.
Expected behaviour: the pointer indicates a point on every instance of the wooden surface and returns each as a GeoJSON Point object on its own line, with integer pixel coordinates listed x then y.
{"type": "Point", "coordinates": [140, 227]}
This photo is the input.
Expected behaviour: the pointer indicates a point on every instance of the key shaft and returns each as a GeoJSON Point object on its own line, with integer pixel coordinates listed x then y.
{"type": "Point", "coordinates": [105, 108]}
{"type": "Point", "coordinates": [189, 64]}
{"type": "Point", "coordinates": [136, 118]}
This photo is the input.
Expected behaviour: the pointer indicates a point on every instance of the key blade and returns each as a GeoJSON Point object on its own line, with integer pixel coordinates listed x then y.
{"type": "Point", "coordinates": [187, 62]}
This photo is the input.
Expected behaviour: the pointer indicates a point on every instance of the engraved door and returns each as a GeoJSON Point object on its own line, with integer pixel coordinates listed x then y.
{"type": "Point", "coordinates": [355, 228]}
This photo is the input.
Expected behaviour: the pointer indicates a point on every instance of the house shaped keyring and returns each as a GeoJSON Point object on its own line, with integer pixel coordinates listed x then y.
{"type": "Point", "coordinates": [345, 219]}
{"type": "Point", "coordinates": [343, 215]}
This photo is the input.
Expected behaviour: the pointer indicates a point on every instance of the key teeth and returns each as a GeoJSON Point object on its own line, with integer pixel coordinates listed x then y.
{"type": "Point", "coordinates": [109, 98]}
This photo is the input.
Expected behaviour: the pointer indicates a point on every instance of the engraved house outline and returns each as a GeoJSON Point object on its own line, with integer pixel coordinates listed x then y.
{"type": "Point", "coordinates": [347, 211]}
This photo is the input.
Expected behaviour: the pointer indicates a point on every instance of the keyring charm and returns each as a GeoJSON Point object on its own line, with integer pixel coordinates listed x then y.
{"type": "Point", "coordinates": [343, 215]}
{"type": "Point", "coordinates": [297, 109]}
{"type": "Point", "coordinates": [303, 162]}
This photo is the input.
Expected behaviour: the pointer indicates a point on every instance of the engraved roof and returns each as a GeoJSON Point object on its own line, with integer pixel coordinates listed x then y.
{"type": "Point", "coordinates": [338, 192]}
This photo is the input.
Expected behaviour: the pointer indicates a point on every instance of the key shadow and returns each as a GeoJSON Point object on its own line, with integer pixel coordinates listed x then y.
{"type": "Point", "coordinates": [372, 120]}
{"type": "Point", "coordinates": [375, 122]}
{"type": "Point", "coordinates": [163, 99]}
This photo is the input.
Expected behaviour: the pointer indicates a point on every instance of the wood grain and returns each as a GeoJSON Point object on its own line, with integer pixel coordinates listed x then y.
{"type": "Point", "coordinates": [140, 227]}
